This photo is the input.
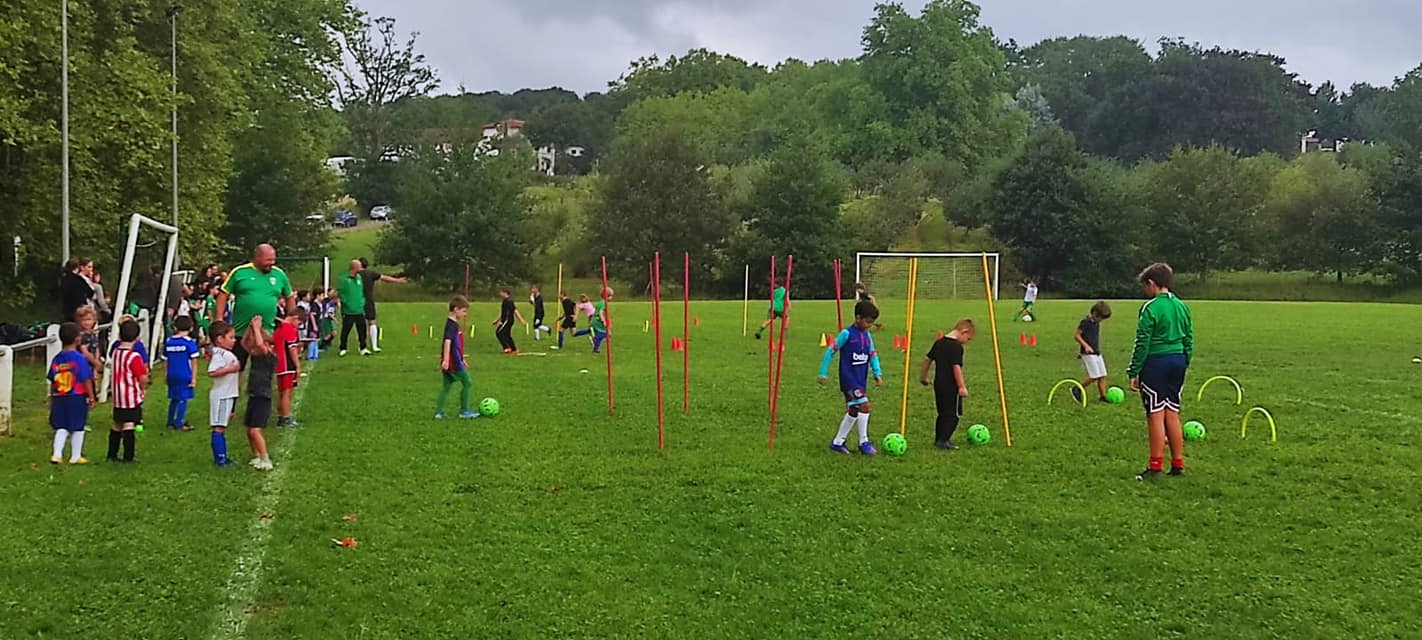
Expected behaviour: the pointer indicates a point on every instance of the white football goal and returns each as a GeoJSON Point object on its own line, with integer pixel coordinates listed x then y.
{"type": "Point", "coordinates": [154, 337]}
{"type": "Point", "coordinates": [941, 276]}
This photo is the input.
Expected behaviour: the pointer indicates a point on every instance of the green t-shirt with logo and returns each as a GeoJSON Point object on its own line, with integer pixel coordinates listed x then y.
{"type": "Point", "coordinates": [352, 291]}
{"type": "Point", "coordinates": [256, 293]}
{"type": "Point", "coordinates": [779, 302]}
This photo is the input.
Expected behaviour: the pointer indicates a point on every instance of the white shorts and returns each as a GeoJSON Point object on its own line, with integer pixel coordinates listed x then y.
{"type": "Point", "coordinates": [1095, 366]}
{"type": "Point", "coordinates": [219, 410]}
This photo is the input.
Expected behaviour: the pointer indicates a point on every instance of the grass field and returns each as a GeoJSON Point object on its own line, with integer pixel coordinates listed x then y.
{"type": "Point", "coordinates": [556, 520]}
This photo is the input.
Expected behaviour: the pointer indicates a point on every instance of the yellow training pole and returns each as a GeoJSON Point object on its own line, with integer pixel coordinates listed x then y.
{"type": "Point", "coordinates": [745, 310]}
{"type": "Point", "coordinates": [996, 351]}
{"type": "Point", "coordinates": [908, 347]}
{"type": "Point", "coordinates": [560, 278]}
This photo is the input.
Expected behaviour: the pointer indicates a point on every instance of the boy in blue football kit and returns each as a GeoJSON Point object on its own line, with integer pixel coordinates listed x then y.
{"type": "Point", "coordinates": [181, 350]}
{"type": "Point", "coordinates": [71, 393]}
{"type": "Point", "coordinates": [857, 358]}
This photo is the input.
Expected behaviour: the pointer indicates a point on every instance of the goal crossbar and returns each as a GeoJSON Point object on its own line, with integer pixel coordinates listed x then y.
{"type": "Point", "coordinates": [155, 346]}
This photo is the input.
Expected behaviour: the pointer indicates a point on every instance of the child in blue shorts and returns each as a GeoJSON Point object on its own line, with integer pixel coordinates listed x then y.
{"type": "Point", "coordinates": [71, 394]}
{"type": "Point", "coordinates": [857, 358]}
{"type": "Point", "coordinates": [1165, 342]}
{"type": "Point", "coordinates": [181, 351]}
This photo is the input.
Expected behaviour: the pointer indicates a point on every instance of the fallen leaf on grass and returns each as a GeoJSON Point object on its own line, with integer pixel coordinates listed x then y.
{"type": "Point", "coordinates": [265, 516]}
{"type": "Point", "coordinates": [345, 543]}
{"type": "Point", "coordinates": [350, 517]}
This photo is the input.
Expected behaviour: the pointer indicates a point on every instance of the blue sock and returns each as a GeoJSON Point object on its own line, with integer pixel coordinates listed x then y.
{"type": "Point", "coordinates": [172, 411]}
{"type": "Point", "coordinates": [219, 447]}
{"type": "Point", "coordinates": [180, 415]}
{"type": "Point", "coordinates": [560, 339]}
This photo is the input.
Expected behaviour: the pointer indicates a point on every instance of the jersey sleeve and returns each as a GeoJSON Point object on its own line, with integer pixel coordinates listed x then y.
{"type": "Point", "coordinates": [838, 344]}
{"type": "Point", "coordinates": [1187, 338]}
{"type": "Point", "coordinates": [1145, 326]}
{"type": "Point", "coordinates": [83, 371]}
{"type": "Point", "coordinates": [138, 368]}
{"type": "Point", "coordinates": [874, 359]}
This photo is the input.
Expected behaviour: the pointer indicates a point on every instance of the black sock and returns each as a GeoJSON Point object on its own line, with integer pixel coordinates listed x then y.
{"type": "Point", "coordinates": [130, 438]}
{"type": "Point", "coordinates": [114, 438]}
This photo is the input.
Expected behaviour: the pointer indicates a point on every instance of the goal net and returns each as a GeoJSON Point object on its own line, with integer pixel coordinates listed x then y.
{"type": "Point", "coordinates": [152, 335]}
{"type": "Point", "coordinates": [941, 276]}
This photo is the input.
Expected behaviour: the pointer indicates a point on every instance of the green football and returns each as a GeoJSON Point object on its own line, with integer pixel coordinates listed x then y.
{"type": "Point", "coordinates": [979, 434]}
{"type": "Point", "coordinates": [1194, 431]}
{"type": "Point", "coordinates": [489, 407]}
{"type": "Point", "coordinates": [1115, 395]}
{"type": "Point", "coordinates": [895, 444]}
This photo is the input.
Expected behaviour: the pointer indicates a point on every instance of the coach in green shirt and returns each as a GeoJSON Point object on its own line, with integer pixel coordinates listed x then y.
{"type": "Point", "coordinates": [257, 288]}
{"type": "Point", "coordinates": [351, 289]}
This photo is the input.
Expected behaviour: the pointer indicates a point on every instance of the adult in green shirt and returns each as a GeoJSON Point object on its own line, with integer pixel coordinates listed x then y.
{"type": "Point", "coordinates": [1165, 342]}
{"type": "Point", "coordinates": [258, 288]}
{"type": "Point", "coordinates": [351, 289]}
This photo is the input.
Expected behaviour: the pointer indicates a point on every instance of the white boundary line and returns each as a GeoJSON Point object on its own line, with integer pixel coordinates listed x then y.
{"type": "Point", "coordinates": [1368, 412]}
{"type": "Point", "coordinates": [247, 575]}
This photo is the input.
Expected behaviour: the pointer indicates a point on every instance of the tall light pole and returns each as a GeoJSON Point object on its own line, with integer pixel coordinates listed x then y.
{"type": "Point", "coordinates": [173, 11]}
{"type": "Point", "coordinates": [64, 127]}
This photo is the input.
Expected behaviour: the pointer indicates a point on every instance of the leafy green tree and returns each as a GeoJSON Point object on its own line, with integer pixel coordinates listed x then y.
{"type": "Point", "coordinates": [943, 80]}
{"type": "Point", "coordinates": [793, 209]}
{"type": "Point", "coordinates": [1395, 116]}
{"type": "Point", "coordinates": [1089, 83]}
{"type": "Point", "coordinates": [716, 123]}
{"type": "Point", "coordinates": [457, 207]}
{"type": "Point", "coordinates": [1060, 215]}
{"type": "Point", "coordinates": [1398, 189]}
{"type": "Point", "coordinates": [1326, 221]}
{"type": "Point", "coordinates": [658, 195]}
{"type": "Point", "coordinates": [699, 71]}
{"type": "Point", "coordinates": [1205, 206]}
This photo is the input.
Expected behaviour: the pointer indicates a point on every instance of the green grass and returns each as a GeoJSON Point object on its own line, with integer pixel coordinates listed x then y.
{"type": "Point", "coordinates": [557, 520]}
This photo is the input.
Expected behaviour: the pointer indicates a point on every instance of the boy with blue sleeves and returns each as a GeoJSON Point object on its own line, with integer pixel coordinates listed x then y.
{"type": "Point", "coordinates": [857, 359]}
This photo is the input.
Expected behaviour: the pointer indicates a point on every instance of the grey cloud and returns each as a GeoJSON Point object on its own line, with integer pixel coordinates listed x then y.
{"type": "Point", "coordinates": [583, 44]}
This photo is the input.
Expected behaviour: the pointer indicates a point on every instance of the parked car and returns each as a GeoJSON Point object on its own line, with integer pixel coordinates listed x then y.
{"type": "Point", "coordinates": [316, 218]}
{"type": "Point", "coordinates": [381, 212]}
{"type": "Point", "coordinates": [346, 219]}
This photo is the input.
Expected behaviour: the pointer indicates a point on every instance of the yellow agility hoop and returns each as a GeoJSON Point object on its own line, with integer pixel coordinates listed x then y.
{"type": "Point", "coordinates": [1273, 430]}
{"type": "Point", "coordinates": [1053, 393]}
{"type": "Point", "coordinates": [1238, 390]}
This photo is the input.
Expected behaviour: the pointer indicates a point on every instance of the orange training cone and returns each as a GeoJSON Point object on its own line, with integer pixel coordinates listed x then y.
{"type": "Point", "coordinates": [1033, 340]}
{"type": "Point", "coordinates": [414, 329]}
{"type": "Point", "coordinates": [1022, 339]}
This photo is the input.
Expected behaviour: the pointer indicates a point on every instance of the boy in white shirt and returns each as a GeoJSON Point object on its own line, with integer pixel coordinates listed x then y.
{"type": "Point", "coordinates": [1028, 301]}
{"type": "Point", "coordinates": [222, 399]}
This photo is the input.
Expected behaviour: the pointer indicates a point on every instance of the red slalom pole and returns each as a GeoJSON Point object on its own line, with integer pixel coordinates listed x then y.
{"type": "Point", "coordinates": [838, 295]}
{"type": "Point", "coordinates": [686, 333]}
{"type": "Point", "coordinates": [770, 355]}
{"type": "Point", "coordinates": [607, 312]}
{"type": "Point", "coordinates": [780, 362]}
{"type": "Point", "coordinates": [657, 320]}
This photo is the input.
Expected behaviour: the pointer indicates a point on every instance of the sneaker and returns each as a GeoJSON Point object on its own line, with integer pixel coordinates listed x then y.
{"type": "Point", "coordinates": [225, 462]}
{"type": "Point", "coordinates": [264, 465]}
{"type": "Point", "coordinates": [342, 353]}
{"type": "Point", "coordinates": [1149, 474]}
{"type": "Point", "coordinates": [55, 459]}
{"type": "Point", "coordinates": [508, 351]}
{"type": "Point", "coordinates": [375, 349]}
{"type": "Point", "coordinates": [468, 414]}
{"type": "Point", "coordinates": [1076, 395]}
{"type": "Point", "coordinates": [186, 427]}
{"type": "Point", "coordinates": [255, 462]}
{"type": "Point", "coordinates": [439, 415]}
{"type": "Point", "coordinates": [1176, 471]}
{"type": "Point", "coordinates": [290, 423]}
{"type": "Point", "coordinates": [365, 352]}
{"type": "Point", "coordinates": [839, 448]}
{"type": "Point", "coordinates": [757, 335]}
{"type": "Point", "coordinates": [947, 445]}
{"type": "Point", "coordinates": [867, 448]}
{"type": "Point", "coordinates": [554, 347]}
{"type": "Point", "coordinates": [81, 460]}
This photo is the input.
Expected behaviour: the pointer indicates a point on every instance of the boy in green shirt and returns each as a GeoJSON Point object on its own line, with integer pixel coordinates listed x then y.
{"type": "Point", "coordinates": [777, 310]}
{"type": "Point", "coordinates": [1165, 342]}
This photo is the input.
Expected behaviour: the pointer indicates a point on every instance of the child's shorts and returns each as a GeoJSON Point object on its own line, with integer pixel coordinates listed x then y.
{"type": "Point", "coordinates": [855, 397]}
{"type": "Point", "coordinates": [1094, 364]}
{"type": "Point", "coordinates": [259, 412]}
{"type": "Point", "coordinates": [776, 315]}
{"type": "Point", "coordinates": [179, 390]}
{"type": "Point", "coordinates": [128, 416]}
{"type": "Point", "coordinates": [68, 413]}
{"type": "Point", "coordinates": [286, 381]}
{"type": "Point", "coordinates": [1162, 379]}
{"type": "Point", "coordinates": [220, 410]}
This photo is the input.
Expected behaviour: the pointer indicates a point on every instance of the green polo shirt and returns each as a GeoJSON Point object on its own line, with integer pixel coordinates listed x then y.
{"type": "Point", "coordinates": [352, 291]}
{"type": "Point", "coordinates": [255, 293]}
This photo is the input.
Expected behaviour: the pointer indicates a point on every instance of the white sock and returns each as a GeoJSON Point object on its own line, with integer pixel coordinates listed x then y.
{"type": "Point", "coordinates": [60, 437]}
{"type": "Point", "coordinates": [863, 428]}
{"type": "Point", "coordinates": [266, 459]}
{"type": "Point", "coordinates": [538, 333]}
{"type": "Point", "coordinates": [374, 333]}
{"type": "Point", "coordinates": [76, 446]}
{"type": "Point", "coordinates": [844, 426]}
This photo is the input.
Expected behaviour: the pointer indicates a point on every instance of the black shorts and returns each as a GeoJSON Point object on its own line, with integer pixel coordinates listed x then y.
{"type": "Point", "coordinates": [776, 315]}
{"type": "Point", "coordinates": [126, 416]}
{"type": "Point", "coordinates": [1162, 379]}
{"type": "Point", "coordinates": [369, 311]}
{"type": "Point", "coordinates": [570, 323]}
{"type": "Point", "coordinates": [259, 412]}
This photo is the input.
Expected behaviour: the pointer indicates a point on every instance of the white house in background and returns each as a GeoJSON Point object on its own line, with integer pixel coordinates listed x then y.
{"type": "Point", "coordinates": [547, 160]}
{"type": "Point", "coordinates": [503, 129]}
{"type": "Point", "coordinates": [1311, 143]}
{"type": "Point", "coordinates": [337, 164]}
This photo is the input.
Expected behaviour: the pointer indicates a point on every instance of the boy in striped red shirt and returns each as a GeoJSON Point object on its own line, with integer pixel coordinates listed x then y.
{"type": "Point", "coordinates": [130, 378]}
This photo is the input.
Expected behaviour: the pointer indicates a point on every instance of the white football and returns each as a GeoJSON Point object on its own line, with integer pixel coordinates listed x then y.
{"type": "Point", "coordinates": [1026, 318]}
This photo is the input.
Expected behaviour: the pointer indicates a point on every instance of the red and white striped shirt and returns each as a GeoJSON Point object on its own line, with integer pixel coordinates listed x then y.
{"type": "Point", "coordinates": [128, 368]}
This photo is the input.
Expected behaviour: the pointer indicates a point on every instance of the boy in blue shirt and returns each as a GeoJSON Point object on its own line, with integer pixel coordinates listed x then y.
{"type": "Point", "coordinates": [451, 360]}
{"type": "Point", "coordinates": [71, 393]}
{"type": "Point", "coordinates": [857, 358]}
{"type": "Point", "coordinates": [181, 350]}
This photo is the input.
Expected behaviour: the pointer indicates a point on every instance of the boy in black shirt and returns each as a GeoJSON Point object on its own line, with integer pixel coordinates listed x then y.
{"type": "Point", "coordinates": [949, 388]}
{"type": "Point", "coordinates": [503, 327]}
{"type": "Point", "coordinates": [569, 320]}
{"type": "Point", "coordinates": [1088, 335]}
{"type": "Point", "coordinates": [535, 297]}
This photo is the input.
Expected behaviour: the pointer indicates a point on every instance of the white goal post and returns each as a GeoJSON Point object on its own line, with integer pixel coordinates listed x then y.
{"type": "Point", "coordinates": [155, 337]}
{"type": "Point", "coordinates": [949, 276]}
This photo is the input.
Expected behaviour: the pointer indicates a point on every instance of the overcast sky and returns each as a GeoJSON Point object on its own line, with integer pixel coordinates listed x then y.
{"type": "Point", "coordinates": [584, 44]}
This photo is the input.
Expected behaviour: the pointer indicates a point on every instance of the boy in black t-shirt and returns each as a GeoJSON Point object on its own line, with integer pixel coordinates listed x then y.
{"type": "Point", "coordinates": [569, 320]}
{"type": "Point", "coordinates": [503, 326]}
{"type": "Point", "coordinates": [1088, 336]}
{"type": "Point", "coordinates": [949, 388]}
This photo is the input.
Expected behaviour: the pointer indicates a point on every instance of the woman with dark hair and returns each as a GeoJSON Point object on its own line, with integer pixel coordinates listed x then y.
{"type": "Point", "coordinates": [75, 290]}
